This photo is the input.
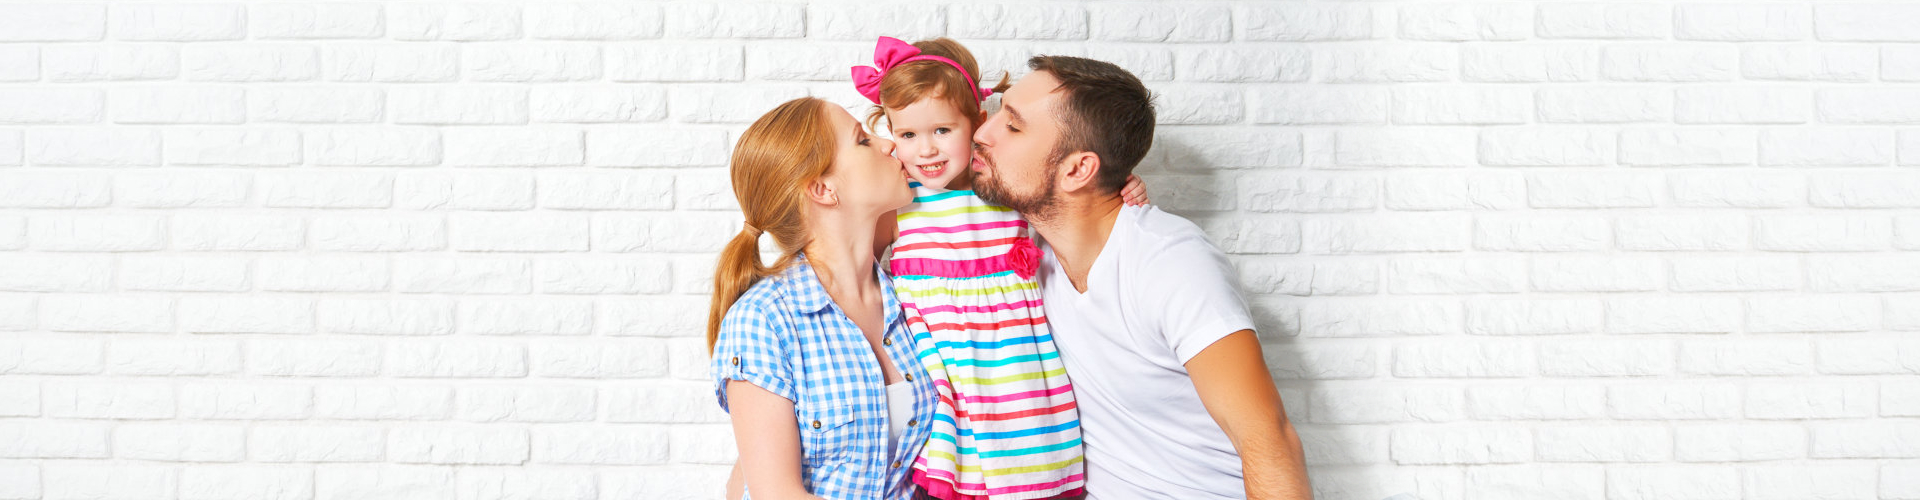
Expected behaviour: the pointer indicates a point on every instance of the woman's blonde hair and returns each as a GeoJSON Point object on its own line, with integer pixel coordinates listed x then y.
{"type": "Point", "coordinates": [909, 83]}
{"type": "Point", "coordinates": [776, 158]}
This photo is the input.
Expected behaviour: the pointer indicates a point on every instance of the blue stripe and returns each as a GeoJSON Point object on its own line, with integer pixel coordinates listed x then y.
{"type": "Point", "coordinates": [942, 196]}
{"type": "Point", "coordinates": [911, 277]}
{"type": "Point", "coordinates": [1001, 435]}
{"type": "Point", "coordinates": [1004, 362]}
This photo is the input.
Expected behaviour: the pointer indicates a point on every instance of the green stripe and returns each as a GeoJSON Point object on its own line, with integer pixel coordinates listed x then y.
{"type": "Point", "coordinates": [973, 209]}
{"type": "Point", "coordinates": [1007, 471]}
{"type": "Point", "coordinates": [1057, 372]}
{"type": "Point", "coordinates": [942, 291]}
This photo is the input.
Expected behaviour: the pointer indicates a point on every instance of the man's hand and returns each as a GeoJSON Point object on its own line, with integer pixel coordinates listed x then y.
{"type": "Point", "coordinates": [1232, 379]}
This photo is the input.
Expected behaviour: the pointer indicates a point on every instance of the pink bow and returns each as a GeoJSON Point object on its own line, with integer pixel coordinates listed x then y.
{"type": "Point", "coordinates": [891, 52]}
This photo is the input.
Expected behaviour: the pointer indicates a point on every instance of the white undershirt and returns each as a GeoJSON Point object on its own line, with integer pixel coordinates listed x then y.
{"type": "Point", "coordinates": [899, 412]}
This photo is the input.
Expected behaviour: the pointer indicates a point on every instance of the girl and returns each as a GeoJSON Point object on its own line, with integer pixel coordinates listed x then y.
{"type": "Point", "coordinates": [812, 357]}
{"type": "Point", "coordinates": [1007, 425]}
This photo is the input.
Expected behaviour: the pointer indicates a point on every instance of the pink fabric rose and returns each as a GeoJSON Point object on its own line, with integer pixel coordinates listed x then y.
{"type": "Point", "coordinates": [1024, 258]}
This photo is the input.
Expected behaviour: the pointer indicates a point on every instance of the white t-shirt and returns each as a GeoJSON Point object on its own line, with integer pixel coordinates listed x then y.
{"type": "Point", "coordinates": [1158, 294]}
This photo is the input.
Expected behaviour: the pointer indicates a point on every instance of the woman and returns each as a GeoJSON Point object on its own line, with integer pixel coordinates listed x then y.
{"type": "Point", "coordinates": [811, 356]}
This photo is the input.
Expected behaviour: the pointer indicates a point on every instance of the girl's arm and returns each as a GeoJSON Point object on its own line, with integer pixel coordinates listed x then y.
{"type": "Point", "coordinates": [884, 234]}
{"type": "Point", "coordinates": [769, 442]}
{"type": "Point", "coordinates": [1135, 192]}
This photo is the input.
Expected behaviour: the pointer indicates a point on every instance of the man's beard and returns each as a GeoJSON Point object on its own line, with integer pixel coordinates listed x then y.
{"type": "Point", "coordinates": [1039, 205]}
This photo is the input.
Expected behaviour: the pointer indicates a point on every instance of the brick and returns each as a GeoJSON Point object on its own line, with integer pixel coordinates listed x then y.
{"type": "Point", "coordinates": [327, 189]}
{"type": "Point", "coordinates": [173, 357]}
{"type": "Point", "coordinates": [1161, 23]}
{"type": "Point", "coordinates": [1603, 20]}
{"type": "Point", "coordinates": [111, 147]}
{"type": "Point", "coordinates": [606, 191]}
{"type": "Point", "coordinates": [1774, 401]}
{"type": "Point", "coordinates": [1293, 193]}
{"type": "Point", "coordinates": [1448, 105]}
{"type": "Point", "coordinates": [1532, 316]}
{"type": "Point", "coordinates": [1460, 445]}
{"type": "Point", "coordinates": [1824, 147]}
{"type": "Point", "coordinates": [1720, 442]}
{"type": "Point", "coordinates": [81, 63]}
{"type": "Point", "coordinates": [1811, 314]}
{"type": "Point", "coordinates": [1676, 63]}
{"type": "Point", "coordinates": [465, 359]}
{"type": "Point", "coordinates": [1456, 276]}
{"type": "Point", "coordinates": [594, 21]}
{"type": "Point", "coordinates": [326, 105]}
{"type": "Point", "coordinates": [514, 147]}
{"type": "Point", "coordinates": [1592, 190]}
{"type": "Point", "coordinates": [384, 482]}
{"type": "Point", "coordinates": [1305, 22]}
{"type": "Point", "coordinates": [518, 232]}
{"type": "Point", "coordinates": [531, 62]}
{"type": "Point", "coordinates": [20, 64]}
{"type": "Point", "coordinates": [1342, 361]}
{"type": "Point", "coordinates": [1822, 481]}
{"type": "Point", "coordinates": [174, 442]}
{"type": "Point", "coordinates": [1254, 235]}
{"type": "Point", "coordinates": [385, 316]}
{"type": "Point", "coordinates": [1865, 439]}
{"type": "Point", "coordinates": [746, 20]}
{"type": "Point", "coordinates": [250, 63]}
{"type": "Point", "coordinates": [1673, 315]}
{"type": "Point", "coordinates": [1821, 233]}
{"type": "Point", "coordinates": [97, 233]}
{"type": "Point", "coordinates": [179, 188]}
{"type": "Point", "coordinates": [242, 482]}
{"type": "Point", "coordinates": [600, 358]}
{"type": "Point", "coordinates": [1316, 104]}
{"type": "Point", "coordinates": [462, 275]}
{"type": "Point", "coordinates": [625, 104]}
{"type": "Point", "coordinates": [1837, 63]}
{"type": "Point", "coordinates": [46, 22]}
{"type": "Point", "coordinates": [1534, 481]}
{"type": "Point", "coordinates": [1019, 21]}
{"type": "Point", "coordinates": [127, 401]}
{"type": "Point", "coordinates": [1603, 105]}
{"type": "Point", "coordinates": [1689, 401]}
{"type": "Point", "coordinates": [1877, 273]}
{"type": "Point", "coordinates": [454, 22]}
{"type": "Point", "coordinates": [1540, 233]}
{"type": "Point", "coordinates": [910, 21]}
{"type": "Point", "coordinates": [1350, 406]}
{"type": "Point", "coordinates": [390, 63]}
{"type": "Point", "coordinates": [321, 274]}
{"type": "Point", "coordinates": [1528, 63]}
{"type": "Point", "coordinates": [383, 402]}
{"type": "Point", "coordinates": [55, 273]}
{"type": "Point", "coordinates": [1481, 359]}
{"type": "Point", "coordinates": [1677, 232]}
{"type": "Point", "coordinates": [1388, 318]}
{"type": "Point", "coordinates": [525, 317]}
{"type": "Point", "coordinates": [716, 104]}
{"type": "Point", "coordinates": [231, 232]}
{"type": "Point", "coordinates": [1866, 22]}
{"type": "Point", "coordinates": [676, 62]}
{"type": "Point", "coordinates": [1533, 146]}
{"type": "Point", "coordinates": [464, 445]}
{"type": "Point", "coordinates": [1454, 191]}
{"type": "Point", "coordinates": [317, 21]}
{"type": "Point", "coordinates": [1386, 63]}
{"type": "Point", "coordinates": [599, 445]}
{"type": "Point", "coordinates": [65, 482]}
{"type": "Point", "coordinates": [1606, 358]}
{"type": "Point", "coordinates": [1734, 274]}
{"type": "Point", "coordinates": [51, 106]}
{"type": "Point", "coordinates": [317, 443]}
{"type": "Point", "coordinates": [1742, 105]}
{"type": "Point", "coordinates": [1729, 22]}
{"type": "Point", "coordinates": [1744, 189]}
{"type": "Point", "coordinates": [1231, 148]}
{"type": "Point", "coordinates": [1198, 105]}
{"type": "Point", "coordinates": [105, 313]}
{"type": "Point", "coordinates": [228, 147]}
{"type": "Point", "coordinates": [1746, 357]}
{"type": "Point", "coordinates": [1634, 443]}
{"type": "Point", "coordinates": [469, 105]}
{"type": "Point", "coordinates": [473, 190]}
{"type": "Point", "coordinates": [1400, 233]}
{"type": "Point", "coordinates": [1877, 105]}
{"type": "Point", "coordinates": [1244, 65]}
{"type": "Point", "coordinates": [245, 401]}
{"type": "Point", "coordinates": [1536, 403]}
{"type": "Point", "coordinates": [1864, 190]}
{"type": "Point", "coordinates": [373, 147]}
{"type": "Point", "coordinates": [1465, 22]}
{"type": "Point", "coordinates": [1405, 147]}
{"type": "Point", "coordinates": [1648, 482]}
{"type": "Point", "coordinates": [253, 314]}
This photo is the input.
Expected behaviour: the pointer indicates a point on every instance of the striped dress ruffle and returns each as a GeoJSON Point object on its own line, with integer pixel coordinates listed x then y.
{"type": "Point", "coordinates": [1007, 426]}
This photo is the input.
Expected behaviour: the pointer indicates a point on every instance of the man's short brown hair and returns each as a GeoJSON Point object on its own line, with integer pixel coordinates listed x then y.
{"type": "Point", "coordinates": [1106, 111]}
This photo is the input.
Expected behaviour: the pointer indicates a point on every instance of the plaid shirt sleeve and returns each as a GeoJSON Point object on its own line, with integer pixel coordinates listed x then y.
{"type": "Point", "coordinates": [753, 347]}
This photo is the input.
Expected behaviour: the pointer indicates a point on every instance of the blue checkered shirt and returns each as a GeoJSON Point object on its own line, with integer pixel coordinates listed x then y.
{"type": "Point", "coordinates": [787, 336]}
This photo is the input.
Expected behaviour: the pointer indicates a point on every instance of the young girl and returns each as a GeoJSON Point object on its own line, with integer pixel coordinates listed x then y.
{"type": "Point", "coordinates": [1006, 425]}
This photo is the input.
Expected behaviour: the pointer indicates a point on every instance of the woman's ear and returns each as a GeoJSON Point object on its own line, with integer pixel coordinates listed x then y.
{"type": "Point", "coordinates": [821, 192]}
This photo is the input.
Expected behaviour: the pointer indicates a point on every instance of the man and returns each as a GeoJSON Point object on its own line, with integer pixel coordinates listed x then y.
{"type": "Point", "coordinates": [1142, 307]}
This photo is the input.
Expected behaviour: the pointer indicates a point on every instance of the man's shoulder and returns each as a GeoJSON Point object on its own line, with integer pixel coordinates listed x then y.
{"type": "Point", "coordinates": [1158, 237]}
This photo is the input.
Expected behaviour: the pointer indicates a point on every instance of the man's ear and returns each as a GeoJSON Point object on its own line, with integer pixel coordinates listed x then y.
{"type": "Point", "coordinates": [1079, 171]}
{"type": "Point", "coordinates": [821, 191]}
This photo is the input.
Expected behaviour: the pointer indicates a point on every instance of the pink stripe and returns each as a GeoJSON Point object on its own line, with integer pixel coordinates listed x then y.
{"type": "Point", "coordinates": [947, 476]}
{"type": "Point", "coordinates": [965, 227]}
{"type": "Point", "coordinates": [1017, 396]}
{"type": "Point", "coordinates": [950, 268]}
{"type": "Point", "coordinates": [975, 309]}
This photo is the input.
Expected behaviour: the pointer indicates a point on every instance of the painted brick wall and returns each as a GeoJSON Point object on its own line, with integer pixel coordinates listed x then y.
{"type": "Point", "coordinates": [1505, 250]}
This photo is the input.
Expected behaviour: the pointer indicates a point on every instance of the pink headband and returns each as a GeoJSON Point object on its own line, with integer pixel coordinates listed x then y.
{"type": "Point", "coordinates": [892, 52]}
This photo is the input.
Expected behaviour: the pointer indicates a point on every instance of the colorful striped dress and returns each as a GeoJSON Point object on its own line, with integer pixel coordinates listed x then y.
{"type": "Point", "coordinates": [1007, 425]}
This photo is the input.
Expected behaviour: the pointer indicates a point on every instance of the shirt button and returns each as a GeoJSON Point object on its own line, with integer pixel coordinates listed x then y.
{"type": "Point", "coordinates": [896, 464]}
{"type": "Point", "coordinates": [886, 341]}
{"type": "Point", "coordinates": [736, 361]}
{"type": "Point", "coordinates": [909, 377]}
{"type": "Point", "coordinates": [914, 422]}
{"type": "Point", "coordinates": [816, 424]}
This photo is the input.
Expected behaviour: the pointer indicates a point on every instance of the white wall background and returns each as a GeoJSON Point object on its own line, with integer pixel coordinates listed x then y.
{"type": "Point", "coordinates": [1511, 250]}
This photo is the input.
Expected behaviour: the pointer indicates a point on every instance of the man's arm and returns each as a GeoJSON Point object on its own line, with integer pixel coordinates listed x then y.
{"type": "Point", "coordinates": [1237, 390]}
{"type": "Point", "coordinates": [769, 442]}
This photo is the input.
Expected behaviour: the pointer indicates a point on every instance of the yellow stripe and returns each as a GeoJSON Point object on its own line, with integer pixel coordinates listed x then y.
{"type": "Point", "coordinates": [1056, 372]}
{"type": "Point", "coordinates": [962, 292]}
{"type": "Point", "coordinates": [1010, 470]}
{"type": "Point", "coordinates": [951, 211]}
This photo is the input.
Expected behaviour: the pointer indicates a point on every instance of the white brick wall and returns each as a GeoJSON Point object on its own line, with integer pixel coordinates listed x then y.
{"type": "Point", "coordinates": [460, 251]}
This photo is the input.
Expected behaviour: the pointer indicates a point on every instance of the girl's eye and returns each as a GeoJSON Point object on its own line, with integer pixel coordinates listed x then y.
{"type": "Point", "coordinates": [942, 130]}
{"type": "Point", "coordinates": [906, 135]}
